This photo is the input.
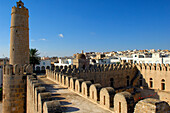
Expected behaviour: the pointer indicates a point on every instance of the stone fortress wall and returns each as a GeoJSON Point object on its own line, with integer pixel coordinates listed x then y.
{"type": "Point", "coordinates": [24, 93]}
{"type": "Point", "coordinates": [14, 91]}
{"type": "Point", "coordinates": [155, 81]}
{"type": "Point", "coordinates": [127, 99]}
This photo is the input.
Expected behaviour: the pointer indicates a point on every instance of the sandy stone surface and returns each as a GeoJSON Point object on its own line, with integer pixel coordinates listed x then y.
{"type": "Point", "coordinates": [70, 101]}
{"type": "Point", "coordinates": [0, 107]}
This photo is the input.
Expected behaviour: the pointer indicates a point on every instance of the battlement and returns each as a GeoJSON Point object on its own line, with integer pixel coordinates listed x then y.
{"type": "Point", "coordinates": [156, 67]}
{"type": "Point", "coordinates": [17, 69]}
{"type": "Point", "coordinates": [39, 99]}
{"type": "Point", "coordinates": [93, 68]}
{"type": "Point", "coordinates": [106, 97]}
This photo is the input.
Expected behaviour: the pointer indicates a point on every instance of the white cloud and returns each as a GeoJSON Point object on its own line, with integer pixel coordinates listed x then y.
{"type": "Point", "coordinates": [61, 35]}
{"type": "Point", "coordinates": [43, 39]}
{"type": "Point", "coordinates": [32, 40]}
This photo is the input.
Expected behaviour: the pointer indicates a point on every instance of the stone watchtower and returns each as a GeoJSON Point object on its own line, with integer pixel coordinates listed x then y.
{"type": "Point", "coordinates": [19, 35]}
{"type": "Point", "coordinates": [14, 75]}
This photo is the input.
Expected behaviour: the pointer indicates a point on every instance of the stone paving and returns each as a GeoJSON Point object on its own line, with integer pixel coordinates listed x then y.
{"type": "Point", "coordinates": [0, 107]}
{"type": "Point", "coordinates": [70, 101]}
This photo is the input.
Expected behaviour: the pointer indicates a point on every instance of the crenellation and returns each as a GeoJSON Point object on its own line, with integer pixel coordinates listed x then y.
{"type": "Point", "coordinates": [29, 69]}
{"type": "Point", "coordinates": [106, 97]}
{"type": "Point", "coordinates": [78, 84]}
{"type": "Point", "coordinates": [155, 67]}
{"type": "Point", "coordinates": [85, 88]}
{"type": "Point", "coordinates": [123, 102]}
{"type": "Point", "coordinates": [42, 97]}
{"type": "Point", "coordinates": [52, 107]}
{"type": "Point", "coordinates": [9, 70]}
{"type": "Point", "coordinates": [151, 106]}
{"type": "Point", "coordinates": [95, 92]}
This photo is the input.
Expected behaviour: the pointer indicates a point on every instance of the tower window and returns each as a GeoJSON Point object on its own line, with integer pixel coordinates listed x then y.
{"type": "Point", "coordinates": [19, 5]}
{"type": "Point", "coordinates": [163, 84]}
{"type": "Point", "coordinates": [151, 83]}
{"type": "Point", "coordinates": [16, 31]}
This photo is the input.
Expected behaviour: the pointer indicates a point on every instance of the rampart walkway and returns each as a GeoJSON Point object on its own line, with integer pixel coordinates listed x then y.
{"type": "Point", "coordinates": [70, 101]}
{"type": "Point", "coordinates": [0, 107]}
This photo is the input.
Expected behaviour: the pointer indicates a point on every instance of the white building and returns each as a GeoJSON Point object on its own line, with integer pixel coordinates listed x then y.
{"type": "Point", "coordinates": [44, 64]}
{"type": "Point", "coordinates": [154, 58]}
{"type": "Point", "coordinates": [64, 62]}
{"type": "Point", "coordinates": [105, 60]}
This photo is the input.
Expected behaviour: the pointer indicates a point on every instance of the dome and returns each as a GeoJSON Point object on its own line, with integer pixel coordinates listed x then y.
{"type": "Point", "coordinates": [81, 56]}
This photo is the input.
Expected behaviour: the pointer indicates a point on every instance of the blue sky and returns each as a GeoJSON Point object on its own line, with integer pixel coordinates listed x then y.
{"type": "Point", "coordinates": [65, 27]}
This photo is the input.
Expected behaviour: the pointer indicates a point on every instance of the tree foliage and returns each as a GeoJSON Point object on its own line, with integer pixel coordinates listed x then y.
{"type": "Point", "coordinates": [34, 58]}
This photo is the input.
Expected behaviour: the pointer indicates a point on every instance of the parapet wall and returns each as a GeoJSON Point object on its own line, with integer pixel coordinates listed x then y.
{"type": "Point", "coordinates": [14, 91]}
{"type": "Point", "coordinates": [103, 96]}
{"type": "Point", "coordinates": [39, 100]}
{"type": "Point", "coordinates": [111, 75]}
{"type": "Point", "coordinates": [155, 76]}
{"type": "Point", "coordinates": [155, 67]}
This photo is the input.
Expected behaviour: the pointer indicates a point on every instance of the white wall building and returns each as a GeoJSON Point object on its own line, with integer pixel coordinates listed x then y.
{"type": "Point", "coordinates": [64, 62]}
{"type": "Point", "coordinates": [105, 60]}
{"type": "Point", "coordinates": [154, 58]}
{"type": "Point", "coordinates": [44, 64]}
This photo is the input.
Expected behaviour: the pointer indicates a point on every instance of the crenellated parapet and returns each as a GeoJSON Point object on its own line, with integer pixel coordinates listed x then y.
{"type": "Point", "coordinates": [103, 96]}
{"type": "Point", "coordinates": [156, 67]}
{"type": "Point", "coordinates": [17, 69]}
{"type": "Point", "coordinates": [39, 100]}
{"type": "Point", "coordinates": [93, 68]}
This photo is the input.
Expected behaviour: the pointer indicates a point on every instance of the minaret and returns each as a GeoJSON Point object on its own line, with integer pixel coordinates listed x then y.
{"type": "Point", "coordinates": [14, 76]}
{"type": "Point", "coordinates": [19, 35]}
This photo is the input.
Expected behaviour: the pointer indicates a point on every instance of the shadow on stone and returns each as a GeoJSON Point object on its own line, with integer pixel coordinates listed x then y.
{"type": "Point", "coordinates": [61, 88]}
{"type": "Point", "coordinates": [55, 94]}
{"type": "Point", "coordinates": [65, 103]}
{"type": "Point", "coordinates": [59, 98]}
{"type": "Point", "coordinates": [70, 109]}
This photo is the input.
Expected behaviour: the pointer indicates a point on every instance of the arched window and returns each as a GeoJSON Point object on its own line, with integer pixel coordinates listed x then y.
{"type": "Point", "coordinates": [163, 84]}
{"type": "Point", "coordinates": [127, 81]}
{"type": "Point", "coordinates": [151, 83]}
{"type": "Point", "coordinates": [48, 67]}
{"type": "Point", "coordinates": [37, 68]}
{"type": "Point", "coordinates": [42, 68]}
{"type": "Point", "coordinates": [111, 82]}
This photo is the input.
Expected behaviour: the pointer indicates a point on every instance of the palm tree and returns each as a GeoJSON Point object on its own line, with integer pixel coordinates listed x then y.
{"type": "Point", "coordinates": [34, 58]}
